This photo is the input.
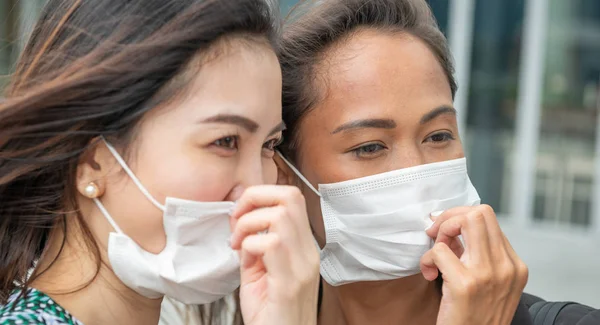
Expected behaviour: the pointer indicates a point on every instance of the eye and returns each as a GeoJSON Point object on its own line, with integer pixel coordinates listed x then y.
{"type": "Point", "coordinates": [272, 144]}
{"type": "Point", "coordinates": [368, 150]}
{"type": "Point", "coordinates": [440, 137]}
{"type": "Point", "coordinates": [228, 142]}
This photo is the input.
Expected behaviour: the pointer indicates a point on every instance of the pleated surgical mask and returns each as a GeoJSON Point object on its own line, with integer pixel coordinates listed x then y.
{"type": "Point", "coordinates": [375, 225]}
{"type": "Point", "coordinates": [197, 266]}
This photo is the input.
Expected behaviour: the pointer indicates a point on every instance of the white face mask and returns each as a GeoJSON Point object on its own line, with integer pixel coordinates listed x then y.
{"type": "Point", "coordinates": [375, 225]}
{"type": "Point", "coordinates": [197, 266]}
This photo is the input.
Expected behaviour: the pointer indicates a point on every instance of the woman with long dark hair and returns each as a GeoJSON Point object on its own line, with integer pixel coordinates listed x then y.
{"type": "Point", "coordinates": [128, 131]}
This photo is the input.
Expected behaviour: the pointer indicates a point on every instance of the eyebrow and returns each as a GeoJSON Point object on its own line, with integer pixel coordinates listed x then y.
{"type": "Point", "coordinates": [437, 112]}
{"type": "Point", "coordinates": [366, 123]}
{"type": "Point", "coordinates": [238, 120]}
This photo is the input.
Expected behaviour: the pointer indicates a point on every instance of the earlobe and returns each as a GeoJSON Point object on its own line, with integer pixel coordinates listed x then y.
{"type": "Point", "coordinates": [92, 170]}
{"type": "Point", "coordinates": [92, 191]}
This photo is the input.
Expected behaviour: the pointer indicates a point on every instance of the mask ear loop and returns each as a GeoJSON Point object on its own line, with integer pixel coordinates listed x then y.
{"type": "Point", "coordinates": [107, 216]}
{"type": "Point", "coordinates": [129, 172]}
{"type": "Point", "coordinates": [299, 174]}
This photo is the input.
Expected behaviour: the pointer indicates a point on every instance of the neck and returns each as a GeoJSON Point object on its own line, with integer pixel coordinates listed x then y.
{"type": "Point", "coordinates": [410, 300]}
{"type": "Point", "coordinates": [86, 287]}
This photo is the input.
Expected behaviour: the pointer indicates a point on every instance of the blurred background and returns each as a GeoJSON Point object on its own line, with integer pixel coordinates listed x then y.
{"type": "Point", "coordinates": [528, 102]}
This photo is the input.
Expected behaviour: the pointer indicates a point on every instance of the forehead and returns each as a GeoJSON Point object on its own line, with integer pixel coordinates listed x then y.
{"type": "Point", "coordinates": [371, 60]}
{"type": "Point", "coordinates": [239, 78]}
{"type": "Point", "coordinates": [385, 70]}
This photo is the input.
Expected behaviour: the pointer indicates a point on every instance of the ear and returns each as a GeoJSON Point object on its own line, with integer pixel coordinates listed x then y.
{"type": "Point", "coordinates": [94, 165]}
{"type": "Point", "coordinates": [285, 176]}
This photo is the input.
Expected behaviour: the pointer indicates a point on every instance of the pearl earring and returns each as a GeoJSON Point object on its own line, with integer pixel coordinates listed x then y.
{"type": "Point", "coordinates": [91, 190]}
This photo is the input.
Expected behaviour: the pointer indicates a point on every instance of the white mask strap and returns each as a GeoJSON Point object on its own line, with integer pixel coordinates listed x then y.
{"type": "Point", "coordinates": [299, 174]}
{"type": "Point", "coordinates": [129, 172]}
{"type": "Point", "coordinates": [107, 216]}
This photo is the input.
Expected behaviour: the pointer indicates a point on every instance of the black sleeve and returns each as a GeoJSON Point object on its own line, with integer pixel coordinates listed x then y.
{"type": "Point", "coordinates": [577, 314]}
{"type": "Point", "coordinates": [569, 313]}
{"type": "Point", "coordinates": [522, 316]}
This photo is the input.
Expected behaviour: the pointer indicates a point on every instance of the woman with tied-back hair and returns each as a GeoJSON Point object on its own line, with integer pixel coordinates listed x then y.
{"type": "Point", "coordinates": [372, 141]}
{"type": "Point", "coordinates": [127, 132]}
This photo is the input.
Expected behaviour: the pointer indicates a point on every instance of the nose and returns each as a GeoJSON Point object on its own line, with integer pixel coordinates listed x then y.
{"type": "Point", "coordinates": [408, 154]}
{"type": "Point", "coordinates": [249, 173]}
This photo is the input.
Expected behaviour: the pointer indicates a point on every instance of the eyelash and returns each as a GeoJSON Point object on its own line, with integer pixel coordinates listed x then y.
{"type": "Point", "coordinates": [232, 143]}
{"type": "Point", "coordinates": [231, 139]}
{"type": "Point", "coordinates": [376, 148]}
{"type": "Point", "coordinates": [273, 143]}
{"type": "Point", "coordinates": [446, 136]}
{"type": "Point", "coordinates": [360, 152]}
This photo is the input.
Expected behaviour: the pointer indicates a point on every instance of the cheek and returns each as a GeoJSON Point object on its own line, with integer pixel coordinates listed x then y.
{"type": "Point", "coordinates": [137, 217]}
{"type": "Point", "coordinates": [142, 221]}
{"type": "Point", "coordinates": [207, 185]}
{"type": "Point", "coordinates": [453, 151]}
{"type": "Point", "coordinates": [313, 209]}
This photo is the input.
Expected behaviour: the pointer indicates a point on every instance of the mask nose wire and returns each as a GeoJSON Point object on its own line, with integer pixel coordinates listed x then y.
{"type": "Point", "coordinates": [129, 172]}
{"type": "Point", "coordinates": [299, 174]}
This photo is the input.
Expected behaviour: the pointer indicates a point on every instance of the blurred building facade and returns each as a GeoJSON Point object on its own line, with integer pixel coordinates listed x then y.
{"type": "Point", "coordinates": [16, 20]}
{"type": "Point", "coordinates": [529, 97]}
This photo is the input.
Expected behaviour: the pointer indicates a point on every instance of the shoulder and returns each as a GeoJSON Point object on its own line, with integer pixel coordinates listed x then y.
{"type": "Point", "coordinates": [522, 315]}
{"type": "Point", "coordinates": [558, 313]}
{"type": "Point", "coordinates": [32, 306]}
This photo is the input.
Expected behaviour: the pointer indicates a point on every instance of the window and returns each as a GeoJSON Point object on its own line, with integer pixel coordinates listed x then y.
{"type": "Point", "coordinates": [494, 78]}
{"type": "Point", "coordinates": [569, 113]}
{"type": "Point", "coordinates": [8, 35]}
{"type": "Point", "coordinates": [16, 19]}
{"type": "Point", "coordinates": [440, 10]}
{"type": "Point", "coordinates": [287, 5]}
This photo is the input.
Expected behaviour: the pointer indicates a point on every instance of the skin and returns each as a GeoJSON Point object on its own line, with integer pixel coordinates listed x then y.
{"type": "Point", "coordinates": [387, 105]}
{"type": "Point", "coordinates": [212, 144]}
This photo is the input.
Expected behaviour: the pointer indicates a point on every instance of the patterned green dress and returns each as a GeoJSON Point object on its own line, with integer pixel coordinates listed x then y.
{"type": "Point", "coordinates": [34, 308]}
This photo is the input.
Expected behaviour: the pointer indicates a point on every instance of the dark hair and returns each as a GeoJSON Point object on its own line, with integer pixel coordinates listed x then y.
{"type": "Point", "coordinates": [315, 26]}
{"type": "Point", "coordinates": [93, 68]}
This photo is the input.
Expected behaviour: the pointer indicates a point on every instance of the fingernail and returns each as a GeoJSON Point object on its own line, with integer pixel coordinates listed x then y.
{"type": "Point", "coordinates": [436, 214]}
{"type": "Point", "coordinates": [431, 223]}
{"type": "Point", "coordinates": [231, 210]}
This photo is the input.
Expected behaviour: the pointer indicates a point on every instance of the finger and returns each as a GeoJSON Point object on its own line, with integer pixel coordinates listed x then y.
{"type": "Point", "coordinates": [496, 237]}
{"type": "Point", "coordinates": [521, 268]}
{"type": "Point", "coordinates": [453, 242]}
{"type": "Point", "coordinates": [442, 258]}
{"type": "Point", "coordinates": [450, 229]}
{"type": "Point", "coordinates": [474, 231]}
{"type": "Point", "coordinates": [451, 213]}
{"type": "Point", "coordinates": [247, 259]}
{"type": "Point", "coordinates": [269, 248]}
{"type": "Point", "coordinates": [274, 219]}
{"type": "Point", "coordinates": [478, 235]}
{"type": "Point", "coordinates": [269, 196]}
{"type": "Point", "coordinates": [520, 274]}
{"type": "Point", "coordinates": [232, 223]}
{"type": "Point", "coordinates": [457, 247]}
